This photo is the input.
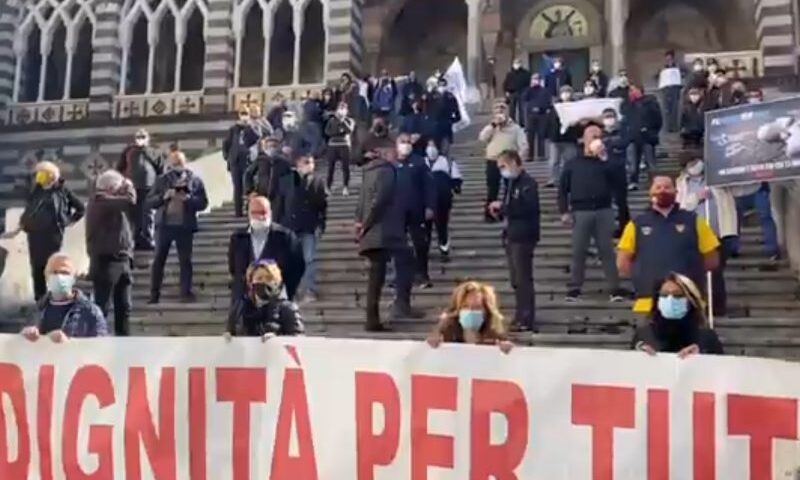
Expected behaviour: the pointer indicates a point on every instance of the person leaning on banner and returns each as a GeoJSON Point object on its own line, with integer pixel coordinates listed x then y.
{"type": "Point", "coordinates": [263, 311]}
{"type": "Point", "coordinates": [665, 239]}
{"type": "Point", "coordinates": [142, 164]}
{"type": "Point", "coordinates": [65, 312]}
{"type": "Point", "coordinates": [264, 239]}
{"type": "Point", "coordinates": [678, 323]}
{"type": "Point", "coordinates": [110, 244]}
{"type": "Point", "coordinates": [500, 135]}
{"type": "Point", "coordinates": [49, 209]}
{"type": "Point", "coordinates": [236, 152]}
{"type": "Point", "coordinates": [473, 317]}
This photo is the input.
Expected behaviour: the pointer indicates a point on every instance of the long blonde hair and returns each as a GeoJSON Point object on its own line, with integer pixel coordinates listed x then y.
{"type": "Point", "coordinates": [494, 319]}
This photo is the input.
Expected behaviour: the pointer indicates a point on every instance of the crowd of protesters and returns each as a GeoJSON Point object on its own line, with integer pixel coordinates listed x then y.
{"type": "Point", "coordinates": [399, 132]}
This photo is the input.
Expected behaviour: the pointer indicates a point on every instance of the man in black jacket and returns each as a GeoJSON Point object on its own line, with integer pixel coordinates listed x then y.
{"type": "Point", "coordinates": [178, 196]}
{"type": "Point", "coordinates": [109, 243]}
{"type": "Point", "coordinates": [584, 200]}
{"type": "Point", "coordinates": [617, 140]}
{"type": "Point", "coordinates": [302, 207]}
{"type": "Point", "coordinates": [415, 181]}
{"type": "Point", "coordinates": [538, 103]}
{"type": "Point", "coordinates": [264, 175]}
{"type": "Point", "coordinates": [645, 121]}
{"type": "Point", "coordinates": [514, 86]}
{"type": "Point", "coordinates": [50, 208]}
{"type": "Point", "coordinates": [520, 208]}
{"type": "Point", "coordinates": [558, 78]}
{"type": "Point", "coordinates": [236, 151]}
{"type": "Point", "coordinates": [381, 236]}
{"type": "Point", "coordinates": [141, 164]}
{"type": "Point", "coordinates": [264, 240]}
{"type": "Point", "coordinates": [444, 111]}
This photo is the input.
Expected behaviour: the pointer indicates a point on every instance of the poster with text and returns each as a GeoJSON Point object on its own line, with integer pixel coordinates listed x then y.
{"type": "Point", "coordinates": [753, 143]}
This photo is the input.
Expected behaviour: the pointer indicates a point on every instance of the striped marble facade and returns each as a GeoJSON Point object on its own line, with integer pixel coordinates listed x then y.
{"type": "Point", "coordinates": [775, 27]}
{"type": "Point", "coordinates": [343, 28]}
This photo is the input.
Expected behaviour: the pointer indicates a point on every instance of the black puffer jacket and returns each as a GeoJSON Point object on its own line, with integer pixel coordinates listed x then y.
{"type": "Point", "coordinates": [278, 317]}
{"type": "Point", "coordinates": [645, 120]}
{"type": "Point", "coordinates": [50, 211]}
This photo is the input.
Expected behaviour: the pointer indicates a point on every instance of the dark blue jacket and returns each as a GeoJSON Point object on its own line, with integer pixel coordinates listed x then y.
{"type": "Point", "coordinates": [421, 124]}
{"type": "Point", "coordinates": [196, 199]}
{"type": "Point", "coordinates": [537, 100]}
{"type": "Point", "coordinates": [411, 91]}
{"type": "Point", "coordinates": [84, 319]}
{"type": "Point", "coordinates": [415, 182]}
{"type": "Point", "coordinates": [521, 210]}
{"type": "Point", "coordinates": [617, 142]}
{"type": "Point", "coordinates": [557, 79]}
{"type": "Point", "coordinates": [312, 111]}
{"type": "Point", "coordinates": [443, 109]}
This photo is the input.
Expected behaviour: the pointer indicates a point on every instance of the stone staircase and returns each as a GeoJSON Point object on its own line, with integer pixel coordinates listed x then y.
{"type": "Point", "coordinates": [764, 306]}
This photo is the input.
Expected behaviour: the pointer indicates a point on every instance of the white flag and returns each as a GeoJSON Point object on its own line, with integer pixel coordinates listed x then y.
{"type": "Point", "coordinates": [457, 84]}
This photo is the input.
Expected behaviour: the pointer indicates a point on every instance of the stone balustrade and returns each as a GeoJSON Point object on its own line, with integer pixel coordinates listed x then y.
{"type": "Point", "coordinates": [158, 105]}
{"type": "Point", "coordinates": [244, 97]}
{"type": "Point", "coordinates": [58, 111]}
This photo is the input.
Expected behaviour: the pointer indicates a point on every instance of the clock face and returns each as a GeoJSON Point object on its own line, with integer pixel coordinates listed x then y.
{"type": "Point", "coordinates": [559, 21]}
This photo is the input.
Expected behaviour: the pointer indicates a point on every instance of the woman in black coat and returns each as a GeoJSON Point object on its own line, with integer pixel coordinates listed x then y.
{"type": "Point", "coordinates": [677, 323]}
{"type": "Point", "coordinates": [693, 120]}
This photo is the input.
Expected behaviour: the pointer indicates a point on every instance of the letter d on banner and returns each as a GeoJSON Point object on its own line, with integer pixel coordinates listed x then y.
{"type": "Point", "coordinates": [13, 389]}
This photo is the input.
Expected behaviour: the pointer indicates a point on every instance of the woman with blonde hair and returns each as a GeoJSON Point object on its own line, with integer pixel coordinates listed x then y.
{"type": "Point", "coordinates": [264, 310]}
{"type": "Point", "coordinates": [677, 323]}
{"type": "Point", "coordinates": [473, 317]}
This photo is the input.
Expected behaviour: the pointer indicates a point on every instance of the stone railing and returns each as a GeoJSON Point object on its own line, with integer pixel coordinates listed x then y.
{"type": "Point", "coordinates": [158, 105]}
{"type": "Point", "coordinates": [58, 111]}
{"type": "Point", "coordinates": [244, 97]}
{"type": "Point", "coordinates": [741, 64]}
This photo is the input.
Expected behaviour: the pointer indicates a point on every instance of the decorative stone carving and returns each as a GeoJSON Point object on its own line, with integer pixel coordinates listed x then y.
{"type": "Point", "coordinates": [158, 105]}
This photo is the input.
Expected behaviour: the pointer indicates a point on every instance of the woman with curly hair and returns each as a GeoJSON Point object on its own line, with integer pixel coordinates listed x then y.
{"type": "Point", "coordinates": [473, 317]}
{"type": "Point", "coordinates": [677, 323]}
{"type": "Point", "coordinates": [264, 311]}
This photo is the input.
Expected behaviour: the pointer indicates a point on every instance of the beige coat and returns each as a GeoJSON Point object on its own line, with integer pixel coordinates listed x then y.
{"type": "Point", "coordinates": [508, 137]}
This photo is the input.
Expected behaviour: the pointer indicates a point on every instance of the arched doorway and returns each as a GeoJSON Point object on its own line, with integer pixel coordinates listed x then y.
{"type": "Point", "coordinates": [655, 26]}
{"type": "Point", "coordinates": [425, 35]}
{"type": "Point", "coordinates": [571, 30]}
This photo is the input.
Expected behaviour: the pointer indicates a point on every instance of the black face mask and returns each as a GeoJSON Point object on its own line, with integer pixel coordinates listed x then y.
{"type": "Point", "coordinates": [380, 130]}
{"type": "Point", "coordinates": [265, 292]}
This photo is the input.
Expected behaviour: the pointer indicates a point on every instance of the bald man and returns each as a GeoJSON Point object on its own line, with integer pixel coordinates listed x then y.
{"type": "Point", "coordinates": [65, 311]}
{"type": "Point", "coordinates": [585, 191]}
{"type": "Point", "coordinates": [263, 239]}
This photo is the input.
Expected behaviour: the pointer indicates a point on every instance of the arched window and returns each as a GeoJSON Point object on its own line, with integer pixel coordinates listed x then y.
{"type": "Point", "coordinates": [53, 48]}
{"type": "Point", "coordinates": [163, 45]}
{"type": "Point", "coordinates": [270, 36]}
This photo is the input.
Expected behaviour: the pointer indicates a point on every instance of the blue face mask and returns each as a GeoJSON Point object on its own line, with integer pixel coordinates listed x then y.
{"type": "Point", "coordinates": [60, 285]}
{"type": "Point", "coordinates": [508, 174]}
{"type": "Point", "coordinates": [673, 308]}
{"type": "Point", "coordinates": [470, 319]}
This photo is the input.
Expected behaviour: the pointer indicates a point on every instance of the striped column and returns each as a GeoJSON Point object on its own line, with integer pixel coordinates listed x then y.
{"type": "Point", "coordinates": [105, 59]}
{"type": "Point", "coordinates": [220, 56]}
{"type": "Point", "coordinates": [776, 36]}
{"type": "Point", "coordinates": [8, 19]}
{"type": "Point", "coordinates": [345, 39]}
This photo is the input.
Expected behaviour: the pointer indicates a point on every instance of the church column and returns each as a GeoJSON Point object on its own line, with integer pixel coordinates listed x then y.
{"type": "Point", "coordinates": [473, 42]}
{"type": "Point", "coordinates": [8, 64]}
{"type": "Point", "coordinates": [106, 60]}
{"type": "Point", "coordinates": [617, 12]}
{"type": "Point", "coordinates": [345, 37]}
{"type": "Point", "coordinates": [297, 21]}
{"type": "Point", "coordinates": [220, 57]}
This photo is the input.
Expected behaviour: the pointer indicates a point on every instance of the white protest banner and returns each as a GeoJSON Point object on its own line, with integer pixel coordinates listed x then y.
{"type": "Point", "coordinates": [457, 84]}
{"type": "Point", "coordinates": [572, 113]}
{"type": "Point", "coordinates": [669, 77]}
{"type": "Point", "coordinates": [319, 409]}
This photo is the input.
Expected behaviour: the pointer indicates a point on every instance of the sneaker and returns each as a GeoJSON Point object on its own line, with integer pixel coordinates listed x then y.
{"type": "Point", "coordinates": [774, 258]}
{"type": "Point", "coordinates": [550, 185]}
{"type": "Point", "coordinates": [406, 311]}
{"type": "Point", "coordinates": [345, 192]}
{"type": "Point", "coordinates": [188, 298]}
{"type": "Point", "coordinates": [154, 298]}
{"type": "Point", "coordinates": [424, 284]}
{"type": "Point", "coordinates": [444, 249]}
{"type": "Point", "coordinates": [633, 187]}
{"type": "Point", "coordinates": [573, 296]}
{"type": "Point", "coordinates": [619, 295]}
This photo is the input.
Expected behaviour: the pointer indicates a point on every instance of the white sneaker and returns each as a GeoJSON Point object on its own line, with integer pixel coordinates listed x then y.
{"type": "Point", "coordinates": [444, 249]}
{"type": "Point", "coordinates": [345, 192]}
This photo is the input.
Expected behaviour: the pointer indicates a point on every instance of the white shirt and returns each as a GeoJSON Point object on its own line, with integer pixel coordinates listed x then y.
{"type": "Point", "coordinates": [441, 164]}
{"type": "Point", "coordinates": [258, 240]}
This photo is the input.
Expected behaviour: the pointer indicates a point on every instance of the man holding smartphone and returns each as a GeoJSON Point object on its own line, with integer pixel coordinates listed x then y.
{"type": "Point", "coordinates": [178, 196]}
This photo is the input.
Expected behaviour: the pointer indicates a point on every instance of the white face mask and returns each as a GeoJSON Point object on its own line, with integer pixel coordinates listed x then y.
{"type": "Point", "coordinates": [565, 97]}
{"type": "Point", "coordinates": [289, 122]}
{"type": "Point", "coordinates": [141, 142]}
{"type": "Point", "coordinates": [342, 112]}
{"type": "Point", "coordinates": [441, 89]}
{"type": "Point", "coordinates": [698, 67]}
{"type": "Point", "coordinates": [588, 91]}
{"type": "Point", "coordinates": [712, 68]}
{"type": "Point", "coordinates": [696, 169]}
{"type": "Point", "coordinates": [595, 68]}
{"type": "Point", "coordinates": [404, 149]}
{"type": "Point", "coordinates": [432, 153]}
{"type": "Point", "coordinates": [557, 65]}
{"type": "Point", "coordinates": [609, 122]}
{"type": "Point", "coordinates": [694, 98]}
{"type": "Point", "coordinates": [259, 225]}
{"type": "Point", "coordinates": [516, 66]}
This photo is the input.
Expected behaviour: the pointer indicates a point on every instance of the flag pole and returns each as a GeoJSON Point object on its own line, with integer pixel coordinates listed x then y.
{"type": "Point", "coordinates": [709, 276]}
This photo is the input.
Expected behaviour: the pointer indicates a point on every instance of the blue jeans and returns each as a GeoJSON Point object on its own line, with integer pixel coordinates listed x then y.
{"type": "Point", "coordinates": [761, 203]}
{"type": "Point", "coordinates": [309, 282]}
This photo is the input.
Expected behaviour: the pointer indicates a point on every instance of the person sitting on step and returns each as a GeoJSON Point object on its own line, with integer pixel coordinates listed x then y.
{"type": "Point", "coordinates": [472, 317]}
